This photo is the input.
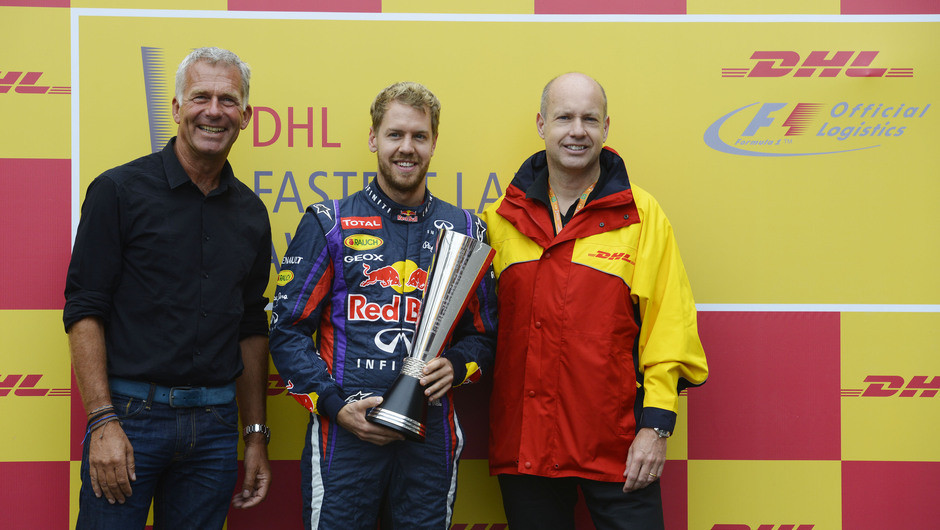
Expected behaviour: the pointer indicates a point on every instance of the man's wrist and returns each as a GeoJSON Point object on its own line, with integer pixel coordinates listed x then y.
{"type": "Point", "coordinates": [256, 429]}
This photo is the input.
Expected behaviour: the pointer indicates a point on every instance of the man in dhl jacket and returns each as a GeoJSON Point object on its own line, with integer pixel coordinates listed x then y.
{"type": "Point", "coordinates": [597, 332]}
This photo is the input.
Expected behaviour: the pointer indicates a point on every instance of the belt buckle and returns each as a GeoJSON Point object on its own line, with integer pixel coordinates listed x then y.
{"type": "Point", "coordinates": [184, 396]}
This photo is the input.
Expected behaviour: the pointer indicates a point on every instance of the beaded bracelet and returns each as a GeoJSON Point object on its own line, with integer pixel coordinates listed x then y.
{"type": "Point", "coordinates": [100, 413]}
{"type": "Point", "coordinates": [101, 408]}
{"type": "Point", "coordinates": [100, 422]}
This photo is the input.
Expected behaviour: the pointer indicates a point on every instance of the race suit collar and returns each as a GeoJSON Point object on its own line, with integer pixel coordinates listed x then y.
{"type": "Point", "coordinates": [393, 210]}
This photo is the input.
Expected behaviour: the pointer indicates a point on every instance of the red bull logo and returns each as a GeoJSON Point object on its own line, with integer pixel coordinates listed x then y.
{"type": "Point", "coordinates": [387, 276]}
{"type": "Point", "coordinates": [359, 308]}
{"type": "Point", "coordinates": [418, 279]}
{"type": "Point", "coordinates": [402, 276]}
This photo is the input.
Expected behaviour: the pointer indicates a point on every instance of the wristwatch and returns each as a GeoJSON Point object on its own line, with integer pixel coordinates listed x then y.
{"type": "Point", "coordinates": [663, 433]}
{"type": "Point", "coordinates": [258, 427]}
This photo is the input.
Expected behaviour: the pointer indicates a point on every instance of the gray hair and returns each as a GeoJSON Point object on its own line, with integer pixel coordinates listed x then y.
{"type": "Point", "coordinates": [213, 56]}
{"type": "Point", "coordinates": [543, 107]}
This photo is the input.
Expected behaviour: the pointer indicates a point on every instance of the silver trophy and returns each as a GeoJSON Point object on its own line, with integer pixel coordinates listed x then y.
{"type": "Point", "coordinates": [457, 269]}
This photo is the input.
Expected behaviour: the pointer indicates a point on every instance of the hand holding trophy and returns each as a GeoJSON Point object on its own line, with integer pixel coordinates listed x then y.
{"type": "Point", "coordinates": [458, 267]}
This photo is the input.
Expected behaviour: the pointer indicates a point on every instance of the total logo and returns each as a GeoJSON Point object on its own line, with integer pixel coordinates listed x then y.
{"type": "Point", "coordinates": [800, 129]}
{"type": "Point", "coordinates": [25, 385]}
{"type": "Point", "coordinates": [395, 275]}
{"type": "Point", "coordinates": [788, 63]}
{"type": "Point", "coordinates": [896, 386]}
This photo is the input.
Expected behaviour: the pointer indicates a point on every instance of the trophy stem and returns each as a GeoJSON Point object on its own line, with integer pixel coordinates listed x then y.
{"type": "Point", "coordinates": [404, 403]}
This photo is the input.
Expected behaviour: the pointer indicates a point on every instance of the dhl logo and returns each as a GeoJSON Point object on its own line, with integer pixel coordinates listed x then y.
{"type": "Point", "coordinates": [25, 83]}
{"type": "Point", "coordinates": [763, 527]}
{"type": "Point", "coordinates": [891, 385]}
{"type": "Point", "coordinates": [24, 385]}
{"type": "Point", "coordinates": [612, 256]}
{"type": "Point", "coordinates": [276, 385]}
{"type": "Point", "coordinates": [826, 63]}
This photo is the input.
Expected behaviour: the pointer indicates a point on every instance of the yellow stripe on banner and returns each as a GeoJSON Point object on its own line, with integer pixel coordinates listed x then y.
{"type": "Point", "coordinates": [749, 7]}
{"type": "Point", "coordinates": [516, 7]}
{"type": "Point", "coordinates": [34, 83]}
{"type": "Point", "coordinates": [35, 385]}
{"type": "Point", "coordinates": [478, 494]}
{"type": "Point", "coordinates": [890, 384]}
{"type": "Point", "coordinates": [773, 493]}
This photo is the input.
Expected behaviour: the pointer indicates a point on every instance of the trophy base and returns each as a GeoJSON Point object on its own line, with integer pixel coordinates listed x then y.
{"type": "Point", "coordinates": [403, 409]}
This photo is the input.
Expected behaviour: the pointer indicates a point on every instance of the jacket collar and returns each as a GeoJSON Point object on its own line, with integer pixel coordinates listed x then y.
{"type": "Point", "coordinates": [394, 211]}
{"type": "Point", "coordinates": [610, 205]}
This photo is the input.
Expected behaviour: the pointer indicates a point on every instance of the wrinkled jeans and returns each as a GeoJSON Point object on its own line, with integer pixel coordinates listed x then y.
{"type": "Point", "coordinates": [186, 462]}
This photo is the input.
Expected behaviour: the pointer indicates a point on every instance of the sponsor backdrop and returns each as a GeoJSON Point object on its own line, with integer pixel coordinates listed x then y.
{"type": "Point", "coordinates": [792, 145]}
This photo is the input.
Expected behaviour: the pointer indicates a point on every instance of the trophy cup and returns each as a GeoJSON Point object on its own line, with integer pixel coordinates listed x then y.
{"type": "Point", "coordinates": [458, 266]}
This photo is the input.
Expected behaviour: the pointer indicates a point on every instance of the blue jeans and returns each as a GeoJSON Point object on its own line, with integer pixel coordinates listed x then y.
{"type": "Point", "coordinates": [186, 462]}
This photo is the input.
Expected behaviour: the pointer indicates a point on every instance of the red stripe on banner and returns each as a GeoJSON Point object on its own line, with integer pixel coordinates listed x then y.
{"type": "Point", "coordinates": [34, 495]}
{"type": "Point", "coordinates": [890, 494]}
{"type": "Point", "coordinates": [895, 7]}
{"type": "Point", "coordinates": [610, 7]}
{"type": "Point", "coordinates": [79, 422]}
{"type": "Point", "coordinates": [675, 493]}
{"type": "Point", "coordinates": [35, 232]}
{"type": "Point", "coordinates": [773, 379]}
{"type": "Point", "coordinates": [343, 6]}
{"type": "Point", "coordinates": [280, 509]}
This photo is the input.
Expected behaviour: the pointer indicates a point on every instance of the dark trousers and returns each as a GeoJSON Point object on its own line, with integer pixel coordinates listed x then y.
{"type": "Point", "coordinates": [186, 462]}
{"type": "Point", "coordinates": [541, 503]}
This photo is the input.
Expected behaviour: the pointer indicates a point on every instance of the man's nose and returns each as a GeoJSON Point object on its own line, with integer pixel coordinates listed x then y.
{"type": "Point", "coordinates": [577, 127]}
{"type": "Point", "coordinates": [215, 107]}
{"type": "Point", "coordinates": [407, 145]}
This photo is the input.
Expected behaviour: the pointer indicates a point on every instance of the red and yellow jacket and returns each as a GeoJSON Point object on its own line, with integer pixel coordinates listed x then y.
{"type": "Point", "coordinates": [597, 328]}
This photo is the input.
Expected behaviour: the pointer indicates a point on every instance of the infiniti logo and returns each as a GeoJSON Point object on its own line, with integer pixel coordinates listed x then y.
{"type": "Point", "coordinates": [440, 223]}
{"type": "Point", "coordinates": [387, 339]}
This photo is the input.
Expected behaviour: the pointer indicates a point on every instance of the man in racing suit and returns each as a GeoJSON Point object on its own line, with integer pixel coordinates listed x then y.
{"type": "Point", "coordinates": [597, 330]}
{"type": "Point", "coordinates": [354, 274]}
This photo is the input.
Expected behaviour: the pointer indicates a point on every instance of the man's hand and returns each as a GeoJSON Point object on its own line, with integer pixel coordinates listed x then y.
{"type": "Point", "coordinates": [111, 462]}
{"type": "Point", "coordinates": [438, 378]}
{"type": "Point", "coordinates": [257, 473]}
{"type": "Point", "coordinates": [352, 417]}
{"type": "Point", "coordinates": [645, 460]}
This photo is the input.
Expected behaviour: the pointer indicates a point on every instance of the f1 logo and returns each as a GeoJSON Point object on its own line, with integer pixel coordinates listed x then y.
{"type": "Point", "coordinates": [796, 121]}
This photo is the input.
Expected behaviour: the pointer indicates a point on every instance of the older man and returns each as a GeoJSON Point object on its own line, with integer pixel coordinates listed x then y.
{"type": "Point", "coordinates": [597, 328]}
{"type": "Point", "coordinates": [166, 322]}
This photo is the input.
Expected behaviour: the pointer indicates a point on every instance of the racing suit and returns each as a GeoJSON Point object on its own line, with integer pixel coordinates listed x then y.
{"type": "Point", "coordinates": [354, 274]}
{"type": "Point", "coordinates": [597, 330]}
